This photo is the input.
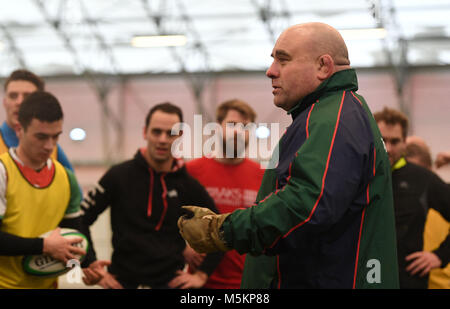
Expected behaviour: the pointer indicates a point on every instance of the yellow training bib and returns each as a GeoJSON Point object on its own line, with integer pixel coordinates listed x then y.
{"type": "Point", "coordinates": [30, 212]}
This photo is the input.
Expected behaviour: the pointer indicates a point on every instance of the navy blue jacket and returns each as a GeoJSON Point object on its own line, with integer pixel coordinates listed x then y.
{"type": "Point", "coordinates": [326, 209]}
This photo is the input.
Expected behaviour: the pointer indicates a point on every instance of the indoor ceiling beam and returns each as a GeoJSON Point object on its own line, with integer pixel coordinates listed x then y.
{"type": "Point", "coordinates": [15, 51]}
{"type": "Point", "coordinates": [103, 45]}
{"type": "Point", "coordinates": [99, 83]}
{"type": "Point", "coordinates": [395, 47]}
{"type": "Point", "coordinates": [273, 20]}
{"type": "Point", "coordinates": [196, 83]}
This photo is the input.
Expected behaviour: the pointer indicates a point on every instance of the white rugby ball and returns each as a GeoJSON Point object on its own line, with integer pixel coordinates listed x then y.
{"type": "Point", "coordinates": [45, 266]}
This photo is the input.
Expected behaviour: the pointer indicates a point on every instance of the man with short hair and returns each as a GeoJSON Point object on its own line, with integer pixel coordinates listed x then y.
{"type": "Point", "coordinates": [416, 190]}
{"type": "Point", "coordinates": [19, 85]}
{"type": "Point", "coordinates": [232, 181]}
{"type": "Point", "coordinates": [37, 194]}
{"type": "Point", "coordinates": [325, 210]}
{"type": "Point", "coordinates": [145, 195]}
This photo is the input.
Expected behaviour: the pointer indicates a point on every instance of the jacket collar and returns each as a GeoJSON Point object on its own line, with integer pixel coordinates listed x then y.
{"type": "Point", "coordinates": [9, 135]}
{"type": "Point", "coordinates": [342, 80]}
{"type": "Point", "coordinates": [399, 164]}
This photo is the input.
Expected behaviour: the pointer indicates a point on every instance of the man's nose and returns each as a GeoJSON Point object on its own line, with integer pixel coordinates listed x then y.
{"type": "Point", "coordinates": [19, 99]}
{"type": "Point", "coordinates": [272, 71]}
{"type": "Point", "coordinates": [164, 138]}
{"type": "Point", "coordinates": [49, 144]}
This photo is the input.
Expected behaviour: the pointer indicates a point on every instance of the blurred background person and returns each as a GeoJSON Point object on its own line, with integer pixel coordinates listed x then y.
{"type": "Point", "coordinates": [145, 195]}
{"type": "Point", "coordinates": [436, 227]}
{"type": "Point", "coordinates": [232, 182]}
{"type": "Point", "coordinates": [443, 158]}
{"type": "Point", "coordinates": [416, 190]}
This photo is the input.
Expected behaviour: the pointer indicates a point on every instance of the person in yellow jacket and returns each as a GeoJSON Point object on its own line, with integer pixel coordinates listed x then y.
{"type": "Point", "coordinates": [37, 195]}
{"type": "Point", "coordinates": [436, 227]}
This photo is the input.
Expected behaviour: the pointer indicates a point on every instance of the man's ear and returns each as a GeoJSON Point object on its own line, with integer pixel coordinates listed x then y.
{"type": "Point", "coordinates": [325, 66]}
{"type": "Point", "coordinates": [144, 132]}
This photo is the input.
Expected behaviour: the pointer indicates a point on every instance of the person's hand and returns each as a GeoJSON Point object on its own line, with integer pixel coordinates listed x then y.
{"type": "Point", "coordinates": [423, 262]}
{"type": "Point", "coordinates": [193, 258]}
{"type": "Point", "coordinates": [202, 230]}
{"type": "Point", "coordinates": [185, 280]}
{"type": "Point", "coordinates": [442, 159]}
{"type": "Point", "coordinates": [61, 248]}
{"type": "Point", "coordinates": [109, 282]}
{"type": "Point", "coordinates": [95, 272]}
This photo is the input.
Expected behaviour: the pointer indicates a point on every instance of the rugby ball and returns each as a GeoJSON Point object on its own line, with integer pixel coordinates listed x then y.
{"type": "Point", "coordinates": [45, 266]}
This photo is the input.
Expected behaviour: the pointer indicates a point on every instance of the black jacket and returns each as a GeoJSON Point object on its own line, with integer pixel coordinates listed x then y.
{"type": "Point", "coordinates": [416, 190]}
{"type": "Point", "coordinates": [145, 207]}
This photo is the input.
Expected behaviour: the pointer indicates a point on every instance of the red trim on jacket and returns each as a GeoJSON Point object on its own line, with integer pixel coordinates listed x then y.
{"type": "Point", "coordinates": [164, 197]}
{"type": "Point", "coordinates": [359, 242]}
{"type": "Point", "coordinates": [307, 119]}
{"type": "Point", "coordinates": [290, 173]}
{"type": "Point", "coordinates": [177, 164]}
{"type": "Point", "coordinates": [150, 195]}
{"type": "Point", "coordinates": [324, 175]}
{"type": "Point", "coordinates": [374, 160]}
{"type": "Point", "coordinates": [356, 97]}
{"type": "Point", "coordinates": [362, 220]}
{"type": "Point", "coordinates": [290, 165]}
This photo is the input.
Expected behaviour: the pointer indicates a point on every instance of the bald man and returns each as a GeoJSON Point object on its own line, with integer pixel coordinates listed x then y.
{"type": "Point", "coordinates": [324, 216]}
{"type": "Point", "coordinates": [418, 152]}
{"type": "Point", "coordinates": [442, 158]}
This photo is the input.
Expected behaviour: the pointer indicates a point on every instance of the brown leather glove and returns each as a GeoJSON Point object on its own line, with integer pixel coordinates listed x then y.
{"type": "Point", "coordinates": [202, 231]}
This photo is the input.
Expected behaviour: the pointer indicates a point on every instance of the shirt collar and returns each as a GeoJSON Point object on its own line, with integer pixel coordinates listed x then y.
{"type": "Point", "coordinates": [399, 164]}
{"type": "Point", "coordinates": [9, 135]}
{"type": "Point", "coordinates": [13, 153]}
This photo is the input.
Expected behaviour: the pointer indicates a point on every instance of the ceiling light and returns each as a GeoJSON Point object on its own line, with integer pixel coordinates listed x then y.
{"type": "Point", "coordinates": [77, 134]}
{"type": "Point", "coordinates": [158, 40]}
{"type": "Point", "coordinates": [262, 132]}
{"type": "Point", "coordinates": [364, 34]}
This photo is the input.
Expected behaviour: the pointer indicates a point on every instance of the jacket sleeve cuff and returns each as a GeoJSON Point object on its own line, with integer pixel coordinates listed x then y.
{"type": "Point", "coordinates": [226, 233]}
{"type": "Point", "coordinates": [211, 262]}
{"type": "Point", "coordinates": [37, 245]}
{"type": "Point", "coordinates": [12, 245]}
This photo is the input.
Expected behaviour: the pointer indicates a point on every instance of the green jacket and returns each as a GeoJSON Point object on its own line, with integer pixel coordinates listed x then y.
{"type": "Point", "coordinates": [325, 211]}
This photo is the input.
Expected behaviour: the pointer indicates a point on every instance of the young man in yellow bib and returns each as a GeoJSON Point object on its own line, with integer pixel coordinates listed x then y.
{"type": "Point", "coordinates": [37, 195]}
